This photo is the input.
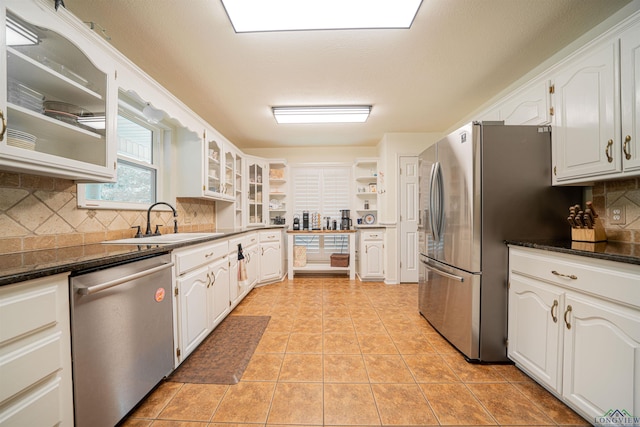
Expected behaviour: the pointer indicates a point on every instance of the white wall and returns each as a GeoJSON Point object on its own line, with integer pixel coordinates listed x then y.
{"type": "Point", "coordinates": [390, 148]}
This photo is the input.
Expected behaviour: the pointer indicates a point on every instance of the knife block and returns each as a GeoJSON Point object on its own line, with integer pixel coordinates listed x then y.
{"type": "Point", "coordinates": [595, 234]}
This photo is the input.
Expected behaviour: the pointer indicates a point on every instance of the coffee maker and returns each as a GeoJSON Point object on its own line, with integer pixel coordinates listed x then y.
{"type": "Point", "coordinates": [305, 220]}
{"type": "Point", "coordinates": [345, 221]}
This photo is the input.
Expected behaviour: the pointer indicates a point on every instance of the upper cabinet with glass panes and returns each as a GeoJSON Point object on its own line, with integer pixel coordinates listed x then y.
{"type": "Point", "coordinates": [207, 167]}
{"type": "Point", "coordinates": [57, 98]}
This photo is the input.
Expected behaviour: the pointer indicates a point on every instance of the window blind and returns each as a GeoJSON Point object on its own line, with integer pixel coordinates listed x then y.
{"type": "Point", "coordinates": [325, 190]}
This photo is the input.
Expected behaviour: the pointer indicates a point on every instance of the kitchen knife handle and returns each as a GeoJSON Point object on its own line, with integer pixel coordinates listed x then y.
{"type": "Point", "coordinates": [578, 221]}
{"type": "Point", "coordinates": [593, 211]}
{"type": "Point", "coordinates": [627, 140]}
{"type": "Point", "coordinates": [554, 316]}
{"type": "Point", "coordinates": [608, 150]}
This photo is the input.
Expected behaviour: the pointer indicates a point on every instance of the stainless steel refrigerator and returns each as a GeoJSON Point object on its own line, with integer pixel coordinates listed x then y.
{"type": "Point", "coordinates": [482, 184]}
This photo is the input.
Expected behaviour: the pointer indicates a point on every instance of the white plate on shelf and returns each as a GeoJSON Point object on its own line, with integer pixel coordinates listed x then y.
{"type": "Point", "coordinates": [369, 219]}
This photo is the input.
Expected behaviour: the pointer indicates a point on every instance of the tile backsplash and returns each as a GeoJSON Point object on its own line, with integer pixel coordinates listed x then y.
{"type": "Point", "coordinates": [623, 193]}
{"type": "Point", "coordinates": [42, 213]}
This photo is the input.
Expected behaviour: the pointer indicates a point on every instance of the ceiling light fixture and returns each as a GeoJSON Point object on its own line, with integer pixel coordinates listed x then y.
{"type": "Point", "coordinates": [336, 114]}
{"type": "Point", "coordinates": [287, 15]}
{"type": "Point", "coordinates": [19, 35]}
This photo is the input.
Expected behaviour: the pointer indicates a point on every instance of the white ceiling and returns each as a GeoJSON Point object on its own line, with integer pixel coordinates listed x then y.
{"type": "Point", "coordinates": [457, 55]}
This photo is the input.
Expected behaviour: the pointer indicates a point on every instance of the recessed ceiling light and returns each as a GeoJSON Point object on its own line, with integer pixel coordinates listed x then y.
{"type": "Point", "coordinates": [288, 15]}
{"type": "Point", "coordinates": [336, 114]}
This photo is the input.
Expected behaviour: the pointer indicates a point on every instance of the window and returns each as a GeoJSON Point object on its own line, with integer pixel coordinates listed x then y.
{"type": "Point", "coordinates": [140, 152]}
{"type": "Point", "coordinates": [323, 190]}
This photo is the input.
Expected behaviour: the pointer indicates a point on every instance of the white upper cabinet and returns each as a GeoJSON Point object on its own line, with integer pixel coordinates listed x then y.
{"type": "Point", "coordinates": [597, 111]}
{"type": "Point", "coordinates": [207, 167]}
{"type": "Point", "coordinates": [257, 188]}
{"type": "Point", "coordinates": [527, 106]}
{"type": "Point", "coordinates": [587, 116]}
{"type": "Point", "coordinates": [59, 100]}
{"type": "Point", "coordinates": [630, 83]}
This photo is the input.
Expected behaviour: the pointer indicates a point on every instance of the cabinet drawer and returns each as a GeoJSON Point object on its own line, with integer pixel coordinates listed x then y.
{"type": "Point", "coordinates": [191, 258]}
{"type": "Point", "coordinates": [29, 364]}
{"type": "Point", "coordinates": [23, 312]}
{"type": "Point", "coordinates": [270, 236]}
{"type": "Point", "coordinates": [615, 281]}
{"type": "Point", "coordinates": [40, 407]}
{"type": "Point", "coordinates": [372, 235]}
{"type": "Point", "coordinates": [245, 240]}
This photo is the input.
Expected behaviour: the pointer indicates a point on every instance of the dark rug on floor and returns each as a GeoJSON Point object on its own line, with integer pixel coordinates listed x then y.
{"type": "Point", "coordinates": [224, 354]}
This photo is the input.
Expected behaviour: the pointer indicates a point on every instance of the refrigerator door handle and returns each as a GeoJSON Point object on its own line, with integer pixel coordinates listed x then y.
{"type": "Point", "coordinates": [443, 273]}
{"type": "Point", "coordinates": [435, 201]}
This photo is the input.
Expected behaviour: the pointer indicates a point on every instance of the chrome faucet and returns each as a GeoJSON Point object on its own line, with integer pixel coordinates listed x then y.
{"type": "Point", "coordinates": [157, 232]}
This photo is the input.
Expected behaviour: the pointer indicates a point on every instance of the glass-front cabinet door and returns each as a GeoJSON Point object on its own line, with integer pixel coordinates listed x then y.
{"type": "Point", "coordinates": [229, 174]}
{"type": "Point", "coordinates": [219, 166]}
{"type": "Point", "coordinates": [56, 98]}
{"type": "Point", "coordinates": [255, 193]}
{"type": "Point", "coordinates": [214, 177]}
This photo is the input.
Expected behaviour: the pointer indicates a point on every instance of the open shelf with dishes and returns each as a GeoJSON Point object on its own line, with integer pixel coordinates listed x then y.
{"type": "Point", "coordinates": [278, 192]}
{"type": "Point", "coordinates": [56, 105]}
{"type": "Point", "coordinates": [365, 173]}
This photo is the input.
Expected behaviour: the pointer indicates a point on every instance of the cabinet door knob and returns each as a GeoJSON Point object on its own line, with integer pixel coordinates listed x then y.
{"type": "Point", "coordinates": [608, 151]}
{"type": "Point", "coordinates": [554, 307]}
{"type": "Point", "coordinates": [627, 141]}
{"type": "Point", "coordinates": [566, 313]}
{"type": "Point", "coordinates": [4, 125]}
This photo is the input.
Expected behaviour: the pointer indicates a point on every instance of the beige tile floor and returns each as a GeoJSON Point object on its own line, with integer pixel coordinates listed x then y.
{"type": "Point", "coordinates": [341, 353]}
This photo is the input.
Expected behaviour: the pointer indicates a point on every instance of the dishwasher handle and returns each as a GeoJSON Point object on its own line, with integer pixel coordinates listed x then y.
{"type": "Point", "coordinates": [90, 290]}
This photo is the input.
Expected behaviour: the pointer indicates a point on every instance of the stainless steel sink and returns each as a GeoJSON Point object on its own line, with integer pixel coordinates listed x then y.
{"type": "Point", "coordinates": [162, 239]}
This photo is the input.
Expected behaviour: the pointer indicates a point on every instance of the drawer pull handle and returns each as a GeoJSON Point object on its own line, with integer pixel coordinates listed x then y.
{"type": "Point", "coordinates": [554, 307]}
{"type": "Point", "coordinates": [570, 276]}
{"type": "Point", "coordinates": [566, 313]}
{"type": "Point", "coordinates": [208, 255]}
{"type": "Point", "coordinates": [608, 150]}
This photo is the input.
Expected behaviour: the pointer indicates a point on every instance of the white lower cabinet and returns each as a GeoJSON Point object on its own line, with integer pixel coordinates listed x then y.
{"type": "Point", "coordinates": [534, 330]}
{"type": "Point", "coordinates": [35, 353]}
{"type": "Point", "coordinates": [574, 326]}
{"type": "Point", "coordinates": [601, 355]}
{"type": "Point", "coordinates": [202, 292]}
{"type": "Point", "coordinates": [193, 319]}
{"type": "Point", "coordinates": [371, 256]}
{"type": "Point", "coordinates": [271, 266]}
{"type": "Point", "coordinates": [252, 260]}
{"type": "Point", "coordinates": [219, 290]}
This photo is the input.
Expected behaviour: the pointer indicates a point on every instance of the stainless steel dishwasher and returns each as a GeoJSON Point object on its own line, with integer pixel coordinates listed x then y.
{"type": "Point", "coordinates": [122, 337]}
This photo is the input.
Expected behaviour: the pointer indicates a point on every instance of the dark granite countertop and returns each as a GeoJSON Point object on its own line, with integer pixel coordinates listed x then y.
{"type": "Point", "coordinates": [21, 266]}
{"type": "Point", "coordinates": [612, 251]}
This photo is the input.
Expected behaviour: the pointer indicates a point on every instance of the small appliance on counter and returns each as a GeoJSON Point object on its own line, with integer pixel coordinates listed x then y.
{"type": "Point", "coordinates": [296, 222]}
{"type": "Point", "coordinates": [305, 220]}
{"type": "Point", "coordinates": [345, 221]}
{"type": "Point", "coordinates": [278, 220]}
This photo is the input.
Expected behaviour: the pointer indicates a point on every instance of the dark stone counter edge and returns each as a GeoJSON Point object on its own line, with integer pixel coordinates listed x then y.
{"type": "Point", "coordinates": [127, 253]}
{"type": "Point", "coordinates": [610, 251]}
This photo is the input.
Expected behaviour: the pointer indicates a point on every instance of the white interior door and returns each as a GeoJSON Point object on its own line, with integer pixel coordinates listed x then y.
{"type": "Point", "coordinates": [408, 219]}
